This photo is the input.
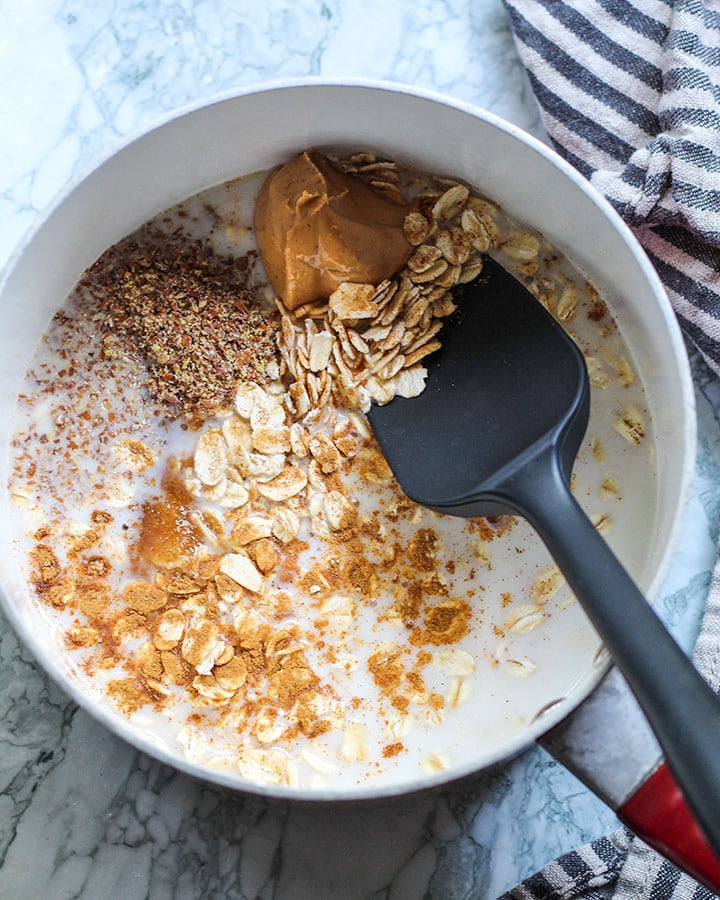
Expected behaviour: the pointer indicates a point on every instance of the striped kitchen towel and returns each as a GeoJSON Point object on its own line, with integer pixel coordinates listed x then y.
{"type": "Point", "coordinates": [615, 867]}
{"type": "Point", "coordinates": [629, 92]}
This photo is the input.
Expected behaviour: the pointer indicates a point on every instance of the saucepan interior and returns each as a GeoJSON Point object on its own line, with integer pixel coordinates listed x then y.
{"type": "Point", "coordinates": [524, 681]}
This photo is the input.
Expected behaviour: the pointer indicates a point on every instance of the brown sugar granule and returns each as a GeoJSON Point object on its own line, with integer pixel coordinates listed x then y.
{"type": "Point", "coordinates": [359, 572]}
{"type": "Point", "coordinates": [228, 678]}
{"type": "Point", "coordinates": [96, 567]}
{"type": "Point", "coordinates": [390, 750]}
{"type": "Point", "coordinates": [210, 600]}
{"type": "Point", "coordinates": [128, 625]}
{"type": "Point", "coordinates": [327, 482]}
{"type": "Point", "coordinates": [106, 661]}
{"type": "Point", "coordinates": [410, 603]}
{"type": "Point", "coordinates": [208, 568]}
{"type": "Point", "coordinates": [81, 636]}
{"type": "Point", "coordinates": [387, 669]}
{"type": "Point", "coordinates": [232, 672]}
{"type": "Point", "coordinates": [150, 661]}
{"type": "Point", "coordinates": [445, 623]}
{"type": "Point", "coordinates": [200, 637]}
{"type": "Point", "coordinates": [485, 530]}
{"type": "Point", "coordinates": [291, 680]}
{"type": "Point", "coordinates": [334, 565]}
{"type": "Point", "coordinates": [325, 452]}
{"type": "Point", "coordinates": [136, 455]}
{"type": "Point", "coordinates": [415, 680]}
{"type": "Point", "coordinates": [435, 587]}
{"type": "Point", "coordinates": [345, 442]}
{"type": "Point", "coordinates": [127, 695]}
{"type": "Point", "coordinates": [93, 600]}
{"type": "Point", "coordinates": [254, 661]}
{"type": "Point", "coordinates": [422, 549]}
{"type": "Point", "coordinates": [373, 467]}
{"type": "Point", "coordinates": [187, 314]}
{"type": "Point", "coordinates": [85, 541]}
{"type": "Point", "coordinates": [100, 517]}
{"type": "Point", "coordinates": [263, 554]}
{"type": "Point", "coordinates": [143, 597]}
{"type": "Point", "coordinates": [175, 667]}
{"type": "Point", "coordinates": [60, 593]}
{"type": "Point", "coordinates": [444, 618]}
{"type": "Point", "coordinates": [371, 527]}
{"type": "Point", "coordinates": [182, 584]}
{"type": "Point", "coordinates": [156, 691]}
{"type": "Point", "coordinates": [45, 564]}
{"type": "Point", "coordinates": [306, 713]}
{"type": "Point", "coordinates": [314, 584]}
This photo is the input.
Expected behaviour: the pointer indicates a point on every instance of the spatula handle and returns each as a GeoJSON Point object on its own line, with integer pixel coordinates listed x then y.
{"type": "Point", "coordinates": [680, 706]}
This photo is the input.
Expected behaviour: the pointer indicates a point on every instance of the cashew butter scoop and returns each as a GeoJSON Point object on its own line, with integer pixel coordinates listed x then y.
{"type": "Point", "coordinates": [317, 227]}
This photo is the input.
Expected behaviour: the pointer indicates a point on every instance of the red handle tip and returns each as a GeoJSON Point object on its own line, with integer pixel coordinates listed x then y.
{"type": "Point", "coordinates": [657, 813]}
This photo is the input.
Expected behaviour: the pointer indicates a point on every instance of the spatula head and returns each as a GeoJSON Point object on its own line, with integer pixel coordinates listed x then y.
{"type": "Point", "coordinates": [507, 384]}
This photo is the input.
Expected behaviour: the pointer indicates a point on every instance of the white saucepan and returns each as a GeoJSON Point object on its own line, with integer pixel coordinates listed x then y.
{"type": "Point", "coordinates": [260, 128]}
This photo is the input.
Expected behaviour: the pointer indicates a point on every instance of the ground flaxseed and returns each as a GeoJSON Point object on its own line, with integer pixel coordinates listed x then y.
{"type": "Point", "coordinates": [185, 312]}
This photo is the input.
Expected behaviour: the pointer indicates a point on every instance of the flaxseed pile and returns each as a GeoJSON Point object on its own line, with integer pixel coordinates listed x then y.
{"type": "Point", "coordinates": [187, 314]}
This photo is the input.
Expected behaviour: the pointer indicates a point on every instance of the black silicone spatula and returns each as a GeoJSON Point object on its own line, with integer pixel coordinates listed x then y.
{"type": "Point", "coordinates": [496, 431]}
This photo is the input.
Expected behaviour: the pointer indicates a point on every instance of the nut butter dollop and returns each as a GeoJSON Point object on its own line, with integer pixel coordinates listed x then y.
{"type": "Point", "coordinates": [317, 227]}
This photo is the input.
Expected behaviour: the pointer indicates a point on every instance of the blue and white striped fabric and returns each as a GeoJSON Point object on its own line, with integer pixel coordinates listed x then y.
{"type": "Point", "coordinates": [629, 91]}
{"type": "Point", "coordinates": [590, 872]}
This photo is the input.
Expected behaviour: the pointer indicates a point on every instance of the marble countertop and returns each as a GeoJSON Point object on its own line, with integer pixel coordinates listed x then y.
{"type": "Point", "coordinates": [81, 813]}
